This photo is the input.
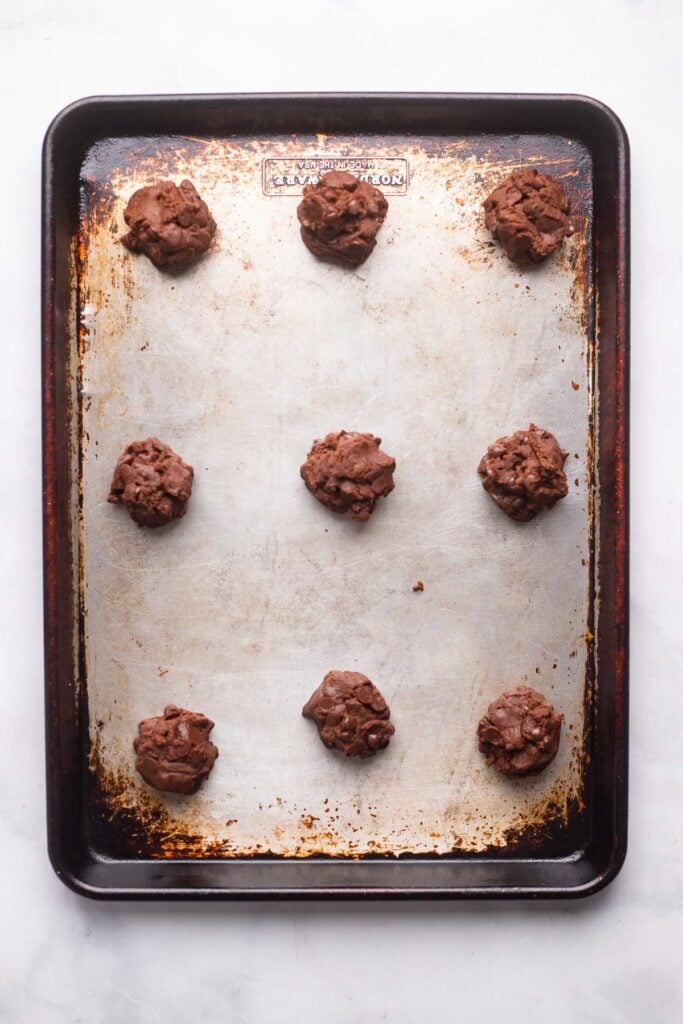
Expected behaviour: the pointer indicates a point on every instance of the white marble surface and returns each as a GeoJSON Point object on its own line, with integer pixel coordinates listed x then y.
{"type": "Point", "coordinates": [614, 959]}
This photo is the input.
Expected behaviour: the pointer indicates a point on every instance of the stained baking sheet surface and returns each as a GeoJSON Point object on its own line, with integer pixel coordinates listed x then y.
{"type": "Point", "coordinates": [438, 345]}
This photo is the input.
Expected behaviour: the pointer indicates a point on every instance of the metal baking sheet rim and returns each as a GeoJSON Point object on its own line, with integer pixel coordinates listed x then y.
{"type": "Point", "coordinates": [49, 329]}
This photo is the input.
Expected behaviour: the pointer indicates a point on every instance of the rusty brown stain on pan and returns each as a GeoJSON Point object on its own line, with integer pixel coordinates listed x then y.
{"type": "Point", "coordinates": [108, 161]}
{"type": "Point", "coordinates": [97, 202]}
{"type": "Point", "coordinates": [584, 300]}
{"type": "Point", "coordinates": [151, 159]}
{"type": "Point", "coordinates": [76, 370]}
{"type": "Point", "coordinates": [579, 254]}
{"type": "Point", "coordinates": [554, 823]}
{"type": "Point", "coordinates": [98, 224]}
{"type": "Point", "coordinates": [132, 822]}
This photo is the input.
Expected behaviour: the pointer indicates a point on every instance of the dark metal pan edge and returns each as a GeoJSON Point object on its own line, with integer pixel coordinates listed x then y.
{"type": "Point", "coordinates": [63, 813]}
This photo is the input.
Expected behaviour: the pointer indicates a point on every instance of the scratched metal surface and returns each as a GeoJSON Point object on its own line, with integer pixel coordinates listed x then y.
{"type": "Point", "coordinates": [438, 345]}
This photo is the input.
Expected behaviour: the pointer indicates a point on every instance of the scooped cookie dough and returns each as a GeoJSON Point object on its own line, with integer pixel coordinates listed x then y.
{"type": "Point", "coordinates": [169, 223]}
{"type": "Point", "coordinates": [174, 752]}
{"type": "Point", "coordinates": [529, 215]}
{"type": "Point", "coordinates": [351, 714]}
{"type": "Point", "coordinates": [152, 482]}
{"type": "Point", "coordinates": [523, 473]}
{"type": "Point", "coordinates": [520, 732]}
{"type": "Point", "coordinates": [348, 472]}
{"type": "Point", "coordinates": [340, 217]}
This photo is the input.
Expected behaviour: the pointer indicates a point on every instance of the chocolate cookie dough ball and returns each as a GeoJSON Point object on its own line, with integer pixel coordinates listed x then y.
{"type": "Point", "coordinates": [351, 714]}
{"type": "Point", "coordinates": [174, 752]}
{"type": "Point", "coordinates": [348, 472]}
{"type": "Point", "coordinates": [340, 217]}
{"type": "Point", "coordinates": [520, 732]}
{"type": "Point", "coordinates": [169, 223]}
{"type": "Point", "coordinates": [523, 473]}
{"type": "Point", "coordinates": [152, 482]}
{"type": "Point", "coordinates": [529, 214]}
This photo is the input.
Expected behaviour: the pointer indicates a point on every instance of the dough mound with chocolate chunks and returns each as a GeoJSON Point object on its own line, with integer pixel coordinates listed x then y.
{"type": "Point", "coordinates": [351, 714]}
{"type": "Point", "coordinates": [520, 732]}
{"type": "Point", "coordinates": [340, 217]}
{"type": "Point", "coordinates": [529, 215]}
{"type": "Point", "coordinates": [173, 751]}
{"type": "Point", "coordinates": [152, 482]}
{"type": "Point", "coordinates": [523, 473]}
{"type": "Point", "coordinates": [169, 223]}
{"type": "Point", "coordinates": [348, 472]}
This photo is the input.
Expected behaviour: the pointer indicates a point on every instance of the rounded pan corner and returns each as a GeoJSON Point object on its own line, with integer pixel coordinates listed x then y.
{"type": "Point", "coordinates": [69, 877]}
{"type": "Point", "coordinates": [601, 111]}
{"type": "Point", "coordinates": [71, 117]}
{"type": "Point", "coordinates": [604, 877]}
{"type": "Point", "coordinates": [71, 112]}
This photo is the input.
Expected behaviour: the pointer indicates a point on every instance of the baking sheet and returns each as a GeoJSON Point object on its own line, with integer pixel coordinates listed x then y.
{"type": "Point", "coordinates": [438, 345]}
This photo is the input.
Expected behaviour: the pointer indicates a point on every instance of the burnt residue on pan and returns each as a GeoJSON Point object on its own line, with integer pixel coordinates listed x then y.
{"type": "Point", "coordinates": [149, 158]}
{"type": "Point", "coordinates": [126, 818]}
